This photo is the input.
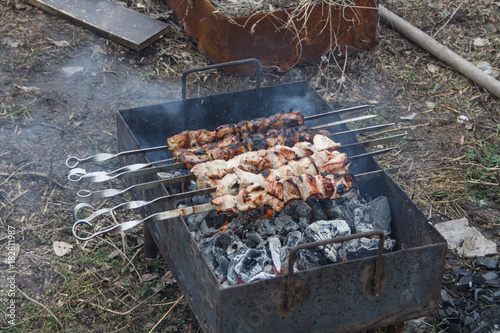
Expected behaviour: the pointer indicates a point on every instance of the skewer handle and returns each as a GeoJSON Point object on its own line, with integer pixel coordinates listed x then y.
{"type": "Point", "coordinates": [72, 161]}
{"type": "Point", "coordinates": [154, 217]}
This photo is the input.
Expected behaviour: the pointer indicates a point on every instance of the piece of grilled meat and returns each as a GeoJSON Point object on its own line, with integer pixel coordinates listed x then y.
{"type": "Point", "coordinates": [243, 129]}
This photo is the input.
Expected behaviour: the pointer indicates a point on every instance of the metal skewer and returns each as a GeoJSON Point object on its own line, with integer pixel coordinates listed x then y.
{"type": "Point", "coordinates": [78, 172]}
{"type": "Point", "coordinates": [87, 196]}
{"type": "Point", "coordinates": [141, 203]}
{"type": "Point", "coordinates": [72, 161]}
{"type": "Point", "coordinates": [97, 177]}
{"type": "Point", "coordinates": [177, 212]}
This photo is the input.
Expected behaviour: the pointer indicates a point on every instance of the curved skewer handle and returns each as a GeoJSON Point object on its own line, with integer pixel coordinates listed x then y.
{"type": "Point", "coordinates": [72, 161]}
{"type": "Point", "coordinates": [154, 217]}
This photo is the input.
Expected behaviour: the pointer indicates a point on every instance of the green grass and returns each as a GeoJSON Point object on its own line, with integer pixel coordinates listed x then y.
{"type": "Point", "coordinates": [16, 112]}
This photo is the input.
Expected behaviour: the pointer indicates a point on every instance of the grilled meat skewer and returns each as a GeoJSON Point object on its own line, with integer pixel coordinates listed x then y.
{"type": "Point", "coordinates": [188, 139]}
{"type": "Point", "coordinates": [233, 145]}
{"type": "Point", "coordinates": [279, 193]}
{"type": "Point", "coordinates": [257, 161]}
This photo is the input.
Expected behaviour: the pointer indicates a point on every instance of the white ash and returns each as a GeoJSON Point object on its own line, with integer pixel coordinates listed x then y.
{"type": "Point", "coordinates": [323, 230]}
{"type": "Point", "coordinates": [244, 267]}
{"type": "Point", "coordinates": [257, 247]}
{"type": "Point", "coordinates": [376, 215]}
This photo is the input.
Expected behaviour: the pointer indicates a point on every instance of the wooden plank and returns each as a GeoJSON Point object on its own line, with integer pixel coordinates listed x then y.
{"type": "Point", "coordinates": [108, 19]}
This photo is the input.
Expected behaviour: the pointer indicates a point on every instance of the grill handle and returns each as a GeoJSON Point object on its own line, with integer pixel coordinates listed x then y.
{"type": "Point", "coordinates": [222, 65]}
{"type": "Point", "coordinates": [377, 274]}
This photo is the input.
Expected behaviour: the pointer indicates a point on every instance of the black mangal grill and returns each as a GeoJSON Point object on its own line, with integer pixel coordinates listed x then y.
{"type": "Point", "coordinates": [331, 298]}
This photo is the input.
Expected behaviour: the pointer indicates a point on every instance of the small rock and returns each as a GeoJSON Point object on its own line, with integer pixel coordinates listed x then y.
{"type": "Point", "coordinates": [478, 279]}
{"type": "Point", "coordinates": [490, 276]}
{"type": "Point", "coordinates": [488, 262]}
{"type": "Point", "coordinates": [451, 312]}
{"type": "Point", "coordinates": [490, 27]}
{"type": "Point", "coordinates": [446, 298]}
{"type": "Point", "coordinates": [468, 322]}
{"type": "Point", "coordinates": [69, 71]}
{"type": "Point", "coordinates": [487, 299]}
{"type": "Point", "coordinates": [478, 292]}
{"type": "Point", "coordinates": [465, 283]}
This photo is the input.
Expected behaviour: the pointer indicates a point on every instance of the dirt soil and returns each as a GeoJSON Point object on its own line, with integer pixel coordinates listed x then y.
{"type": "Point", "coordinates": [61, 87]}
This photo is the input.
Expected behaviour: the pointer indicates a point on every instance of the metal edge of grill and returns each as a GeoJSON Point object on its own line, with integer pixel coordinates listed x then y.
{"type": "Point", "coordinates": [417, 261]}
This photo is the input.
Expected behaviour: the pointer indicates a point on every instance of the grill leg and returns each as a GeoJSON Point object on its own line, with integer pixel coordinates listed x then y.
{"type": "Point", "coordinates": [150, 248]}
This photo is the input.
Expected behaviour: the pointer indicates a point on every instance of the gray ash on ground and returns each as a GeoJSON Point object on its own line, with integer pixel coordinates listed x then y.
{"type": "Point", "coordinates": [470, 299]}
{"type": "Point", "coordinates": [257, 243]}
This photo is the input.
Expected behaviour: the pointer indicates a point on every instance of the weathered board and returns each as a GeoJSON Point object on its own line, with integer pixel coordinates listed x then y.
{"type": "Point", "coordinates": [108, 19]}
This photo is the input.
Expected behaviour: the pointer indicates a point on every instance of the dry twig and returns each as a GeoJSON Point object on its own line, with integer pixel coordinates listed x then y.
{"type": "Point", "coordinates": [38, 303]}
{"type": "Point", "coordinates": [166, 314]}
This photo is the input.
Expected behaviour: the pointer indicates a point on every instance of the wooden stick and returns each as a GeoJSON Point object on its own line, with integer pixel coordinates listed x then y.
{"type": "Point", "coordinates": [439, 51]}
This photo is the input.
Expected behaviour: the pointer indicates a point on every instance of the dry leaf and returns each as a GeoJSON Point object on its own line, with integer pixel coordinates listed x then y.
{"type": "Point", "coordinates": [62, 248]}
{"type": "Point", "coordinates": [148, 277]}
{"type": "Point", "coordinates": [409, 117]}
{"type": "Point", "coordinates": [432, 68]}
{"type": "Point", "coordinates": [430, 105]}
{"type": "Point", "coordinates": [60, 43]}
{"type": "Point", "coordinates": [480, 41]}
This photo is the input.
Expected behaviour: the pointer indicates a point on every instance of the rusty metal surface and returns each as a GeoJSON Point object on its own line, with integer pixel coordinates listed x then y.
{"type": "Point", "coordinates": [108, 19]}
{"type": "Point", "coordinates": [260, 36]}
{"type": "Point", "coordinates": [334, 298]}
{"type": "Point", "coordinates": [330, 298]}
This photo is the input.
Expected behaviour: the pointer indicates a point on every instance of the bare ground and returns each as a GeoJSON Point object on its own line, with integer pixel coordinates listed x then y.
{"type": "Point", "coordinates": [450, 169]}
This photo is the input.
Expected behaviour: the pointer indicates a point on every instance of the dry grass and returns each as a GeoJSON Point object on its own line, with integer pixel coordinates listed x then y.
{"type": "Point", "coordinates": [449, 169]}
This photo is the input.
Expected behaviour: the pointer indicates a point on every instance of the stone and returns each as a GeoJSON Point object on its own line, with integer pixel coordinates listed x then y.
{"type": "Point", "coordinates": [490, 276]}
{"type": "Point", "coordinates": [446, 298]}
{"type": "Point", "coordinates": [465, 283]}
{"type": "Point", "coordinates": [465, 240]}
{"type": "Point", "coordinates": [488, 262]}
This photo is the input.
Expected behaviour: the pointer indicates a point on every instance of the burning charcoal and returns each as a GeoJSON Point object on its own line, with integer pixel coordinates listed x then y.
{"type": "Point", "coordinates": [285, 224]}
{"type": "Point", "coordinates": [236, 247]}
{"type": "Point", "coordinates": [293, 239]}
{"type": "Point", "coordinates": [201, 199]}
{"type": "Point", "coordinates": [364, 247]}
{"type": "Point", "coordinates": [340, 212]}
{"type": "Point", "coordinates": [303, 223]}
{"type": "Point", "coordinates": [307, 259]}
{"type": "Point", "coordinates": [355, 202]}
{"type": "Point", "coordinates": [321, 230]}
{"type": "Point", "coordinates": [267, 227]}
{"type": "Point", "coordinates": [194, 220]}
{"type": "Point", "coordinates": [316, 210]}
{"type": "Point", "coordinates": [180, 187]}
{"type": "Point", "coordinates": [297, 208]}
{"type": "Point", "coordinates": [211, 224]}
{"type": "Point", "coordinates": [261, 276]}
{"type": "Point", "coordinates": [252, 239]}
{"type": "Point", "coordinates": [275, 250]}
{"type": "Point", "coordinates": [215, 257]}
{"type": "Point", "coordinates": [376, 215]}
{"type": "Point", "coordinates": [244, 267]}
